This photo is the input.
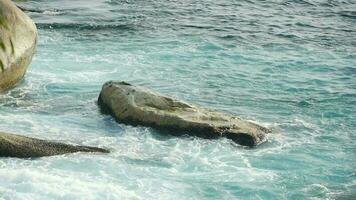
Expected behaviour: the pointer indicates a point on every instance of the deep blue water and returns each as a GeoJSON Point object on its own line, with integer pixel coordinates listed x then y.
{"type": "Point", "coordinates": [289, 65]}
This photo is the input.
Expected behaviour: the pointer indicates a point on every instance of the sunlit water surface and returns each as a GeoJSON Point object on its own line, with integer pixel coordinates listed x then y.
{"type": "Point", "coordinates": [289, 65]}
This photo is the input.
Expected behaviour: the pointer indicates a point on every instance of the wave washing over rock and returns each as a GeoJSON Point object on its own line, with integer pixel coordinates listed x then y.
{"type": "Point", "coordinates": [288, 65]}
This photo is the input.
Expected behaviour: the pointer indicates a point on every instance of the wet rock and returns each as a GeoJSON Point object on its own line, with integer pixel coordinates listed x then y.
{"type": "Point", "coordinates": [12, 145]}
{"type": "Point", "coordinates": [18, 38]}
{"type": "Point", "coordinates": [139, 106]}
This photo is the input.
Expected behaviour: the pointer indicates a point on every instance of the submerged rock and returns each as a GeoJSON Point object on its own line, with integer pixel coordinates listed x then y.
{"type": "Point", "coordinates": [12, 145]}
{"type": "Point", "coordinates": [139, 106]}
{"type": "Point", "coordinates": [18, 38]}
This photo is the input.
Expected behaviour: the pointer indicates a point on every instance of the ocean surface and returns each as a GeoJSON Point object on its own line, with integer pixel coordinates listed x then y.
{"type": "Point", "coordinates": [289, 65]}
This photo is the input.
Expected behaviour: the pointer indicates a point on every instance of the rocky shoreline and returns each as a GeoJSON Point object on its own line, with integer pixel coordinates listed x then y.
{"type": "Point", "coordinates": [18, 39]}
{"type": "Point", "coordinates": [126, 103]}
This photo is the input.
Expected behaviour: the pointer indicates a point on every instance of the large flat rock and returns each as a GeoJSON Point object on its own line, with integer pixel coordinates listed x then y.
{"type": "Point", "coordinates": [12, 145]}
{"type": "Point", "coordinates": [18, 38]}
{"type": "Point", "coordinates": [139, 106]}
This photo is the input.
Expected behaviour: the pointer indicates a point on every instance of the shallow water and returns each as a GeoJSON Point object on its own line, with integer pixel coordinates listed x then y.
{"type": "Point", "coordinates": [289, 65]}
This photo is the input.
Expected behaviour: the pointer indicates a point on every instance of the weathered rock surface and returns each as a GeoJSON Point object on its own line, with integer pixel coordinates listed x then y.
{"type": "Point", "coordinates": [12, 145]}
{"type": "Point", "coordinates": [139, 106]}
{"type": "Point", "coordinates": [18, 38]}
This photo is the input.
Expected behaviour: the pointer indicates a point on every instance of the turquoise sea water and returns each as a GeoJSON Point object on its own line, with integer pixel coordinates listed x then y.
{"type": "Point", "coordinates": [288, 65]}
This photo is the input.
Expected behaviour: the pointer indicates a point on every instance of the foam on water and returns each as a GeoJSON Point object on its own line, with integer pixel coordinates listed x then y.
{"type": "Point", "coordinates": [289, 65]}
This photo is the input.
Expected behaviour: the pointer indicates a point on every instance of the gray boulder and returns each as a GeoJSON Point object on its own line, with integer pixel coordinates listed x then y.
{"type": "Point", "coordinates": [12, 145]}
{"type": "Point", "coordinates": [138, 106]}
{"type": "Point", "coordinates": [18, 38]}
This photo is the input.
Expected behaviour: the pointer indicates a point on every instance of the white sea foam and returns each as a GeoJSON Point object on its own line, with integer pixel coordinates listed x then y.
{"type": "Point", "coordinates": [39, 183]}
{"type": "Point", "coordinates": [275, 70]}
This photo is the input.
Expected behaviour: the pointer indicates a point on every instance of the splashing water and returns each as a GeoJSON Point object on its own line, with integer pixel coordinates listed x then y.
{"type": "Point", "coordinates": [290, 65]}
